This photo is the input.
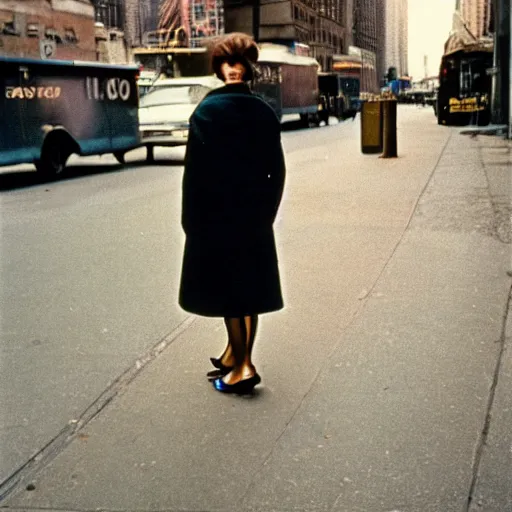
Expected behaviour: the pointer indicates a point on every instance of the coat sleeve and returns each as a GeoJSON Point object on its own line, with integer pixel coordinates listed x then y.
{"type": "Point", "coordinates": [277, 180]}
{"type": "Point", "coordinates": [192, 186]}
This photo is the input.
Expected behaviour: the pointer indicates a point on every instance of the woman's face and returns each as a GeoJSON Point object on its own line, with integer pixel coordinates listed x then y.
{"type": "Point", "coordinates": [232, 72]}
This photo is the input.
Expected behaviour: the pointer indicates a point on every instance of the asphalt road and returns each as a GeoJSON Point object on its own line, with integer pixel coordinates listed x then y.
{"type": "Point", "coordinates": [88, 282]}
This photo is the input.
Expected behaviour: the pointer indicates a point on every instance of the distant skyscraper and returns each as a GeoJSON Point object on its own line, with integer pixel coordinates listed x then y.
{"type": "Point", "coordinates": [141, 17]}
{"type": "Point", "coordinates": [381, 39]}
{"type": "Point", "coordinates": [477, 15]}
{"type": "Point", "coordinates": [365, 24]}
{"type": "Point", "coordinates": [396, 35]}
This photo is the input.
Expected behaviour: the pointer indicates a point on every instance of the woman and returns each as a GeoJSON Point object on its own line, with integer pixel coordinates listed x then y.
{"type": "Point", "coordinates": [232, 188]}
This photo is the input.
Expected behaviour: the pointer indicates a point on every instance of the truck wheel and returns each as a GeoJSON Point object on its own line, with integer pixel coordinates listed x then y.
{"type": "Point", "coordinates": [304, 120]}
{"type": "Point", "coordinates": [54, 156]}
{"type": "Point", "coordinates": [484, 118]}
{"type": "Point", "coordinates": [150, 155]}
{"type": "Point", "coordinates": [341, 111]}
{"type": "Point", "coordinates": [119, 156]}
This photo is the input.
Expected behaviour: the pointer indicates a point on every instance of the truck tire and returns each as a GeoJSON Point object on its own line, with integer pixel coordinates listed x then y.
{"type": "Point", "coordinates": [341, 114]}
{"type": "Point", "coordinates": [54, 156]}
{"type": "Point", "coordinates": [119, 156]}
{"type": "Point", "coordinates": [304, 120]}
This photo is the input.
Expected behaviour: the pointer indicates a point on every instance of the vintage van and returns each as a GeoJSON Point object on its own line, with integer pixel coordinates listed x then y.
{"type": "Point", "coordinates": [52, 109]}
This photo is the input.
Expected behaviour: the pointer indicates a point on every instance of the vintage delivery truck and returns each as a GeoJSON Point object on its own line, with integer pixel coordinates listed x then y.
{"type": "Point", "coordinates": [288, 82]}
{"type": "Point", "coordinates": [51, 109]}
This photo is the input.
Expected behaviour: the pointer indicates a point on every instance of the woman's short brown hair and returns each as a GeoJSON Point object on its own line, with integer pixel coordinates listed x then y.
{"type": "Point", "coordinates": [235, 47]}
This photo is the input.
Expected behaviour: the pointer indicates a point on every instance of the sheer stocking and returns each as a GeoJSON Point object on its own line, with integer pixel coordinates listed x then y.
{"type": "Point", "coordinates": [227, 358]}
{"type": "Point", "coordinates": [241, 335]}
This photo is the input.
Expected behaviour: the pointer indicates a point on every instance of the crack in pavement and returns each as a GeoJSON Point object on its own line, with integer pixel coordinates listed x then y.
{"type": "Point", "coordinates": [492, 393]}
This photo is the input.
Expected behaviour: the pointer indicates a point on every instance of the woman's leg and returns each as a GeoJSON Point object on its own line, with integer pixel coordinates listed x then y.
{"type": "Point", "coordinates": [227, 358]}
{"type": "Point", "coordinates": [251, 326]}
{"type": "Point", "coordinates": [241, 333]}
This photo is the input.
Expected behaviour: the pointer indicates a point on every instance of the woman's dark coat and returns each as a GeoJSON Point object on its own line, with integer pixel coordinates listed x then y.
{"type": "Point", "coordinates": [232, 187]}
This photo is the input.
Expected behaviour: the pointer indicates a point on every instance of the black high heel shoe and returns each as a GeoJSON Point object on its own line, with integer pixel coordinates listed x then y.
{"type": "Point", "coordinates": [217, 374]}
{"type": "Point", "coordinates": [218, 364]}
{"type": "Point", "coordinates": [221, 370]}
{"type": "Point", "coordinates": [243, 387]}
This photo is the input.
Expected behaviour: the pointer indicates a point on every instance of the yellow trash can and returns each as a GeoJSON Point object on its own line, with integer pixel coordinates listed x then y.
{"type": "Point", "coordinates": [371, 127]}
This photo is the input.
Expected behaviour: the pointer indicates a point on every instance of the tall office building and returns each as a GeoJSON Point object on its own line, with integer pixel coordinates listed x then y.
{"type": "Point", "coordinates": [137, 14]}
{"type": "Point", "coordinates": [477, 16]}
{"type": "Point", "coordinates": [381, 39]}
{"type": "Point", "coordinates": [365, 25]}
{"type": "Point", "coordinates": [396, 35]}
{"type": "Point", "coordinates": [325, 26]}
{"type": "Point", "coordinates": [370, 30]}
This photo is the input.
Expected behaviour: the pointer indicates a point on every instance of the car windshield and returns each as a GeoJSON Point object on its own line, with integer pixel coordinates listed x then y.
{"type": "Point", "coordinates": [175, 95]}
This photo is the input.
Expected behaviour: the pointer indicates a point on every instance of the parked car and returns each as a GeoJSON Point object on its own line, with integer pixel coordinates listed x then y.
{"type": "Point", "coordinates": [146, 81]}
{"type": "Point", "coordinates": [164, 111]}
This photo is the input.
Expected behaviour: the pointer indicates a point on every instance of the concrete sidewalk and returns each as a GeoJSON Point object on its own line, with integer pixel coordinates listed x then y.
{"type": "Point", "coordinates": [387, 379]}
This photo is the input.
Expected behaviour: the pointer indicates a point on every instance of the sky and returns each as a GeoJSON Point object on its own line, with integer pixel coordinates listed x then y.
{"type": "Point", "coordinates": [430, 22]}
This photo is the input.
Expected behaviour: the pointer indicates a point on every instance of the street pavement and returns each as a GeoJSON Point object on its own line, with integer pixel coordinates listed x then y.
{"type": "Point", "coordinates": [387, 378]}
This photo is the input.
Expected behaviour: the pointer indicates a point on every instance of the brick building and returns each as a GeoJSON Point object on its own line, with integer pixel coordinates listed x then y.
{"type": "Point", "coordinates": [68, 23]}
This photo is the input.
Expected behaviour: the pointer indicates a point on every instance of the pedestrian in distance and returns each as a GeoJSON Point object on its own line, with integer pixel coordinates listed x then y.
{"type": "Point", "coordinates": [232, 188]}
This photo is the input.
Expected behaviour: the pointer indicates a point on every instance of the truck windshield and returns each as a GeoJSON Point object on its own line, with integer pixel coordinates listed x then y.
{"type": "Point", "coordinates": [350, 86]}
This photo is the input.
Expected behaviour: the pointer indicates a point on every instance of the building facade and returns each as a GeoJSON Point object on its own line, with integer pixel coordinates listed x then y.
{"type": "Point", "coordinates": [369, 31]}
{"type": "Point", "coordinates": [365, 25]}
{"type": "Point", "coordinates": [59, 29]}
{"type": "Point", "coordinates": [396, 36]}
{"type": "Point", "coordinates": [192, 20]}
{"type": "Point", "coordinates": [477, 16]}
{"type": "Point", "coordinates": [325, 26]}
{"type": "Point", "coordinates": [381, 40]}
{"type": "Point", "coordinates": [111, 44]}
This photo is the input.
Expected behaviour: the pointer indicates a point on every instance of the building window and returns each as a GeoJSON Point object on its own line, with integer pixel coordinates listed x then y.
{"type": "Point", "coordinates": [109, 12]}
{"type": "Point", "coordinates": [295, 12]}
{"type": "Point", "coordinates": [8, 28]}
{"type": "Point", "coordinates": [32, 30]}
{"type": "Point", "coordinates": [70, 36]}
{"type": "Point", "coordinates": [52, 34]}
{"type": "Point", "coordinates": [199, 11]}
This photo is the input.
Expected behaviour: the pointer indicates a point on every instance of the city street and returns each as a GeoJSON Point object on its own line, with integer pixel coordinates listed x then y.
{"type": "Point", "coordinates": [387, 378]}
